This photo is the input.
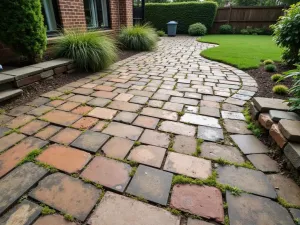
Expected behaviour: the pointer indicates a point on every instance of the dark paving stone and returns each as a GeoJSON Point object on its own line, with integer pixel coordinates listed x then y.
{"type": "Point", "coordinates": [20, 110]}
{"type": "Point", "coordinates": [67, 194]}
{"type": "Point", "coordinates": [100, 102]}
{"type": "Point", "coordinates": [266, 104]}
{"type": "Point", "coordinates": [18, 182]}
{"type": "Point", "coordinates": [24, 213]}
{"type": "Point", "coordinates": [249, 144]}
{"type": "Point", "coordinates": [277, 115]}
{"type": "Point", "coordinates": [151, 184]}
{"type": "Point", "coordinates": [125, 117]}
{"type": "Point", "coordinates": [292, 152]}
{"type": "Point", "coordinates": [210, 133]}
{"type": "Point", "coordinates": [197, 222]}
{"type": "Point", "coordinates": [254, 210]}
{"type": "Point", "coordinates": [90, 141]}
{"type": "Point", "coordinates": [295, 213]}
{"type": "Point", "coordinates": [264, 163]}
{"type": "Point", "coordinates": [236, 127]}
{"type": "Point", "coordinates": [39, 101]}
{"type": "Point", "coordinates": [245, 179]}
{"type": "Point", "coordinates": [4, 118]}
{"type": "Point", "coordinates": [290, 129]}
{"type": "Point", "coordinates": [3, 131]}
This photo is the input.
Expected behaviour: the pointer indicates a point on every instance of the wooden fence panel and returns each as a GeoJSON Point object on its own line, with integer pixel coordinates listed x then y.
{"type": "Point", "coordinates": [241, 17]}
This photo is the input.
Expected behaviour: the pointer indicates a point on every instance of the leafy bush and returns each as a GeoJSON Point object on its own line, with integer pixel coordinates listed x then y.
{"type": "Point", "coordinates": [161, 33]}
{"type": "Point", "coordinates": [256, 31]}
{"type": "Point", "coordinates": [22, 27]}
{"type": "Point", "coordinates": [268, 61]}
{"type": "Point", "coordinates": [197, 29]}
{"type": "Point", "coordinates": [138, 37]}
{"type": "Point", "coordinates": [295, 90]}
{"type": "Point", "coordinates": [277, 77]}
{"type": "Point", "coordinates": [225, 29]}
{"type": "Point", "coordinates": [280, 89]}
{"type": "Point", "coordinates": [89, 50]}
{"type": "Point", "coordinates": [287, 34]}
{"type": "Point", "coordinates": [270, 68]}
{"type": "Point", "coordinates": [185, 13]}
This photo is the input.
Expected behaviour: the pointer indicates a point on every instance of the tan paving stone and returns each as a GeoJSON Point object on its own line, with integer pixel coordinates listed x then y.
{"type": "Point", "coordinates": [47, 132]}
{"type": "Point", "coordinates": [123, 97]}
{"type": "Point", "coordinates": [159, 113]}
{"type": "Point", "coordinates": [82, 110]}
{"type": "Point", "coordinates": [146, 122]}
{"type": "Point", "coordinates": [85, 123]}
{"type": "Point", "coordinates": [19, 121]}
{"type": "Point", "coordinates": [68, 106]}
{"type": "Point", "coordinates": [176, 107]}
{"type": "Point", "coordinates": [80, 98]}
{"type": "Point", "coordinates": [177, 128]}
{"type": "Point", "coordinates": [61, 117]}
{"type": "Point", "coordinates": [185, 144]}
{"type": "Point", "coordinates": [155, 138]}
{"type": "Point", "coordinates": [52, 94]}
{"type": "Point", "coordinates": [33, 127]}
{"type": "Point", "coordinates": [102, 113]}
{"type": "Point", "coordinates": [125, 106]}
{"type": "Point", "coordinates": [123, 130]}
{"type": "Point", "coordinates": [53, 220]}
{"type": "Point", "coordinates": [117, 147]}
{"type": "Point", "coordinates": [10, 140]}
{"type": "Point", "coordinates": [66, 136]}
{"type": "Point", "coordinates": [104, 88]}
{"type": "Point", "coordinates": [104, 94]}
{"type": "Point", "coordinates": [55, 103]}
{"type": "Point", "coordinates": [40, 110]}
{"type": "Point", "coordinates": [99, 126]}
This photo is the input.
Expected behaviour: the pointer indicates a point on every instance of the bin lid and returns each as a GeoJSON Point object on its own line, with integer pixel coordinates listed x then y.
{"type": "Point", "coordinates": [172, 22]}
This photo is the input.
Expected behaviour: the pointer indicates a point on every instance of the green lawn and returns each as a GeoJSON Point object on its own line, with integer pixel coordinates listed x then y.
{"type": "Point", "coordinates": [241, 51]}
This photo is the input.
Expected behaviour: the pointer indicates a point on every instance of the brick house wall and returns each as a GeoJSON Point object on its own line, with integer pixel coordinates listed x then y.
{"type": "Point", "coordinates": [71, 13]}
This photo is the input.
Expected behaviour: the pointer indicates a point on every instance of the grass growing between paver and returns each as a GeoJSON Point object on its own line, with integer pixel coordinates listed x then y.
{"type": "Point", "coordinates": [224, 162]}
{"type": "Point", "coordinates": [286, 204]}
{"type": "Point", "coordinates": [241, 51]}
{"type": "Point", "coordinates": [256, 129]}
{"type": "Point", "coordinates": [14, 130]}
{"type": "Point", "coordinates": [47, 210]}
{"type": "Point", "coordinates": [198, 147]}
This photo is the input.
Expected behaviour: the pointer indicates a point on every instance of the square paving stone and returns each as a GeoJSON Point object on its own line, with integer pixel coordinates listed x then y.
{"type": "Point", "coordinates": [264, 163]}
{"type": "Point", "coordinates": [232, 115]}
{"type": "Point", "coordinates": [155, 138]}
{"type": "Point", "coordinates": [146, 122]}
{"type": "Point", "coordinates": [80, 98]}
{"type": "Point", "coordinates": [14, 155]}
{"type": "Point", "coordinates": [103, 113]}
{"type": "Point", "coordinates": [10, 140]}
{"type": "Point", "coordinates": [210, 134]}
{"type": "Point", "coordinates": [236, 127]}
{"type": "Point", "coordinates": [24, 213]}
{"type": "Point", "coordinates": [33, 127]}
{"type": "Point", "coordinates": [160, 113]}
{"type": "Point", "coordinates": [177, 128]}
{"type": "Point", "coordinates": [40, 110]}
{"type": "Point", "coordinates": [100, 102]}
{"type": "Point", "coordinates": [61, 117]}
{"type": "Point", "coordinates": [90, 141]}
{"type": "Point", "coordinates": [202, 201]}
{"type": "Point", "coordinates": [107, 172]}
{"type": "Point", "coordinates": [123, 130]}
{"type": "Point", "coordinates": [216, 151]}
{"type": "Point", "coordinates": [68, 106]}
{"type": "Point", "coordinates": [64, 158]}
{"type": "Point", "coordinates": [151, 184]}
{"type": "Point", "coordinates": [66, 136]}
{"type": "Point", "coordinates": [20, 121]}
{"type": "Point", "coordinates": [124, 106]}
{"type": "Point", "coordinates": [53, 220]}
{"type": "Point", "coordinates": [254, 210]}
{"type": "Point", "coordinates": [67, 194]}
{"type": "Point", "coordinates": [47, 132]}
{"type": "Point", "coordinates": [188, 165]}
{"type": "Point", "coordinates": [245, 179]}
{"type": "Point", "coordinates": [18, 182]}
{"type": "Point", "coordinates": [200, 120]}
{"type": "Point", "coordinates": [117, 147]}
{"type": "Point", "coordinates": [126, 117]}
{"type": "Point", "coordinates": [19, 110]}
{"type": "Point", "coordinates": [185, 144]}
{"type": "Point", "coordinates": [148, 155]}
{"type": "Point", "coordinates": [85, 123]}
{"type": "Point", "coordinates": [249, 144]}
{"type": "Point", "coordinates": [209, 111]}
{"type": "Point", "coordinates": [117, 209]}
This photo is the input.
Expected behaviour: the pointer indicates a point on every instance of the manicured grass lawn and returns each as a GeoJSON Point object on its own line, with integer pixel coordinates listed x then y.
{"type": "Point", "coordinates": [241, 51]}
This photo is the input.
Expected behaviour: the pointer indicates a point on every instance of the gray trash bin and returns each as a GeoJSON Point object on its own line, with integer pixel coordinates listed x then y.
{"type": "Point", "coordinates": [172, 27]}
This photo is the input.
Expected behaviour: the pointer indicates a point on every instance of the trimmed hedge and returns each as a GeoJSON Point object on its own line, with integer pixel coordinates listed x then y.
{"type": "Point", "coordinates": [185, 13]}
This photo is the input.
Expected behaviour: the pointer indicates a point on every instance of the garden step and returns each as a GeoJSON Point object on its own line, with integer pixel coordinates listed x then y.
{"type": "Point", "coordinates": [7, 94]}
{"type": "Point", "coordinates": [5, 78]}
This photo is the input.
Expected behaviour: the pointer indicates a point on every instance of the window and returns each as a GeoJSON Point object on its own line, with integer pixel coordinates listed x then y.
{"type": "Point", "coordinates": [96, 13]}
{"type": "Point", "coordinates": [50, 12]}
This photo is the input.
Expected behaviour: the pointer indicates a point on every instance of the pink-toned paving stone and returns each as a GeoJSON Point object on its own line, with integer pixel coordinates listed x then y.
{"type": "Point", "coordinates": [108, 172]}
{"type": "Point", "coordinates": [100, 126]}
{"type": "Point", "coordinates": [67, 194]}
{"type": "Point", "coordinates": [188, 165]}
{"type": "Point", "coordinates": [155, 138]}
{"type": "Point", "coordinates": [146, 122]}
{"type": "Point", "coordinates": [64, 158]}
{"type": "Point", "coordinates": [103, 113]}
{"type": "Point", "coordinates": [82, 110]}
{"type": "Point", "coordinates": [40, 110]}
{"type": "Point", "coordinates": [53, 220]}
{"type": "Point", "coordinates": [117, 147]}
{"type": "Point", "coordinates": [104, 88]}
{"type": "Point", "coordinates": [85, 123]}
{"type": "Point", "coordinates": [10, 158]}
{"type": "Point", "coordinates": [117, 209]}
{"type": "Point", "coordinates": [10, 140]}
{"type": "Point", "coordinates": [177, 128]}
{"type": "Point", "coordinates": [20, 121]}
{"type": "Point", "coordinates": [33, 127]}
{"type": "Point", "coordinates": [123, 97]}
{"type": "Point", "coordinates": [202, 201]}
{"type": "Point", "coordinates": [185, 144]}
{"type": "Point", "coordinates": [47, 132]}
{"type": "Point", "coordinates": [123, 130]}
{"type": "Point", "coordinates": [61, 117]}
{"type": "Point", "coordinates": [80, 98]}
{"type": "Point", "coordinates": [148, 155]}
{"type": "Point", "coordinates": [66, 136]}
{"type": "Point", "coordinates": [55, 103]}
{"type": "Point", "coordinates": [68, 106]}
{"type": "Point", "coordinates": [160, 113]}
{"type": "Point", "coordinates": [125, 106]}
{"type": "Point", "coordinates": [104, 94]}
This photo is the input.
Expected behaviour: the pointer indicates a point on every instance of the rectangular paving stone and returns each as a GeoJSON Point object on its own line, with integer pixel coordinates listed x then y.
{"type": "Point", "coordinates": [160, 113]}
{"type": "Point", "coordinates": [66, 136]}
{"type": "Point", "coordinates": [170, 92]}
{"type": "Point", "coordinates": [188, 165]}
{"type": "Point", "coordinates": [177, 107]}
{"type": "Point", "coordinates": [3, 132]}
{"type": "Point", "coordinates": [24, 213]}
{"type": "Point", "coordinates": [209, 111]}
{"type": "Point", "coordinates": [47, 132]}
{"type": "Point", "coordinates": [33, 127]}
{"type": "Point", "coordinates": [146, 122]}
{"type": "Point", "coordinates": [249, 144]}
{"type": "Point", "coordinates": [232, 108]}
{"type": "Point", "coordinates": [290, 129]}
{"type": "Point", "coordinates": [40, 110]}
{"type": "Point", "coordinates": [210, 104]}
{"type": "Point", "coordinates": [277, 115]}
{"type": "Point", "coordinates": [200, 120]}
{"type": "Point", "coordinates": [85, 123]}
{"type": "Point", "coordinates": [126, 117]}
{"type": "Point", "coordinates": [236, 127]}
{"type": "Point", "coordinates": [266, 104]}
{"type": "Point", "coordinates": [155, 138]}
{"type": "Point", "coordinates": [4, 118]}
{"type": "Point", "coordinates": [107, 172]}
{"type": "Point", "coordinates": [104, 94]}
{"type": "Point", "coordinates": [83, 91]}
{"type": "Point", "coordinates": [123, 130]}
{"type": "Point", "coordinates": [38, 102]}
{"type": "Point", "coordinates": [235, 101]}
{"type": "Point", "coordinates": [232, 115]}
{"type": "Point", "coordinates": [264, 163]}
{"type": "Point", "coordinates": [80, 98]}
{"type": "Point", "coordinates": [104, 88]}
{"type": "Point", "coordinates": [10, 158]}
{"type": "Point", "coordinates": [102, 113]}
{"type": "Point", "coordinates": [124, 106]}
{"type": "Point", "coordinates": [141, 93]}
{"type": "Point", "coordinates": [68, 106]}
{"type": "Point", "coordinates": [55, 103]}
{"type": "Point", "coordinates": [151, 184]}
{"type": "Point", "coordinates": [100, 102]}
{"type": "Point", "coordinates": [117, 147]}
{"type": "Point", "coordinates": [148, 155]}
{"type": "Point", "coordinates": [61, 117]}
{"type": "Point", "coordinates": [185, 101]}
{"type": "Point", "coordinates": [210, 133]}
{"type": "Point", "coordinates": [292, 152]}
{"type": "Point", "coordinates": [18, 182]}
{"type": "Point", "coordinates": [117, 209]}
{"type": "Point", "coordinates": [82, 110]}
{"type": "Point", "coordinates": [53, 219]}
{"type": "Point", "coordinates": [123, 97]}
{"type": "Point", "coordinates": [18, 111]}
{"type": "Point", "coordinates": [19, 121]}
{"type": "Point", "coordinates": [67, 194]}
{"type": "Point", "coordinates": [52, 94]}
{"type": "Point", "coordinates": [90, 141]}
{"type": "Point", "coordinates": [10, 140]}
{"type": "Point", "coordinates": [139, 99]}
{"type": "Point", "coordinates": [177, 128]}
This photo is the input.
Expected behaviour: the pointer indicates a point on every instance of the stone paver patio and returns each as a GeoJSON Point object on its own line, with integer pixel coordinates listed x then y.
{"type": "Point", "coordinates": [117, 138]}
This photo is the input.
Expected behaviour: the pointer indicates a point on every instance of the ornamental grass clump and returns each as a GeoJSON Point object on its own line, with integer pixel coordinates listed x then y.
{"type": "Point", "coordinates": [89, 50]}
{"type": "Point", "coordinates": [138, 38]}
{"type": "Point", "coordinates": [197, 29]}
{"type": "Point", "coordinates": [277, 77]}
{"type": "Point", "coordinates": [270, 68]}
{"type": "Point", "coordinates": [268, 61]}
{"type": "Point", "coordinates": [161, 33]}
{"type": "Point", "coordinates": [280, 89]}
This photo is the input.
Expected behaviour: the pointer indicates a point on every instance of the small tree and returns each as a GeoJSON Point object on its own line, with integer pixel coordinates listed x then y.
{"type": "Point", "coordinates": [287, 34]}
{"type": "Point", "coordinates": [22, 27]}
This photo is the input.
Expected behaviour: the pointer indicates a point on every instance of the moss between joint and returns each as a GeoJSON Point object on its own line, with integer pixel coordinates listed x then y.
{"type": "Point", "coordinates": [256, 130]}
{"type": "Point", "coordinates": [55, 98]}
{"type": "Point", "coordinates": [47, 210]}
{"type": "Point", "coordinates": [246, 164]}
{"type": "Point", "coordinates": [180, 113]}
{"type": "Point", "coordinates": [99, 186]}
{"type": "Point", "coordinates": [2, 111]}
{"type": "Point", "coordinates": [130, 162]}
{"type": "Point", "coordinates": [69, 217]}
{"type": "Point", "coordinates": [137, 143]}
{"type": "Point", "coordinates": [31, 156]}
{"type": "Point", "coordinates": [174, 211]}
{"type": "Point", "coordinates": [14, 130]}
{"type": "Point", "coordinates": [286, 204]}
{"type": "Point", "coordinates": [198, 148]}
{"type": "Point", "coordinates": [226, 220]}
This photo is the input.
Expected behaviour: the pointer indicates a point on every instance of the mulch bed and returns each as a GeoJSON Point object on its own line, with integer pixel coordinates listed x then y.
{"type": "Point", "coordinates": [265, 84]}
{"type": "Point", "coordinates": [36, 89]}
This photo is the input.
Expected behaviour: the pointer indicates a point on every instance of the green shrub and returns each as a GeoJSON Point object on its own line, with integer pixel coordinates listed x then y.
{"type": "Point", "coordinates": [268, 61]}
{"type": "Point", "coordinates": [270, 68]}
{"type": "Point", "coordinates": [287, 34]}
{"type": "Point", "coordinates": [244, 31]}
{"type": "Point", "coordinates": [138, 37]}
{"type": "Point", "coordinates": [90, 51]}
{"type": "Point", "coordinates": [280, 89]}
{"type": "Point", "coordinates": [197, 29]}
{"type": "Point", "coordinates": [225, 29]}
{"type": "Point", "coordinates": [22, 27]}
{"type": "Point", "coordinates": [277, 77]}
{"type": "Point", "coordinates": [161, 33]}
{"type": "Point", "coordinates": [295, 90]}
{"type": "Point", "coordinates": [185, 13]}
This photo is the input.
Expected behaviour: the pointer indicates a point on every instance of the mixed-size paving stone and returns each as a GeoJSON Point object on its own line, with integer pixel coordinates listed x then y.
{"type": "Point", "coordinates": [40, 110]}
{"type": "Point", "coordinates": [200, 120]}
{"type": "Point", "coordinates": [151, 137]}
{"type": "Point", "coordinates": [146, 122]}
{"type": "Point", "coordinates": [210, 133]}
{"type": "Point", "coordinates": [264, 163]}
{"type": "Point", "coordinates": [177, 128]}
{"type": "Point", "coordinates": [66, 136]}
{"type": "Point", "coordinates": [159, 113]}
{"type": "Point", "coordinates": [249, 144]}
{"type": "Point", "coordinates": [123, 130]}
{"type": "Point", "coordinates": [33, 127]}
{"type": "Point", "coordinates": [125, 117]}
{"type": "Point", "coordinates": [103, 113]}
{"type": "Point", "coordinates": [53, 220]}
{"type": "Point", "coordinates": [185, 144]}
{"type": "Point", "coordinates": [236, 127]}
{"type": "Point", "coordinates": [19, 121]}
{"type": "Point", "coordinates": [10, 140]}
{"type": "Point", "coordinates": [85, 123]}
{"type": "Point", "coordinates": [60, 117]}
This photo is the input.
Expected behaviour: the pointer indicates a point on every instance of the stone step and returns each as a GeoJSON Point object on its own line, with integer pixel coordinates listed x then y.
{"type": "Point", "coordinates": [7, 94]}
{"type": "Point", "coordinates": [5, 78]}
